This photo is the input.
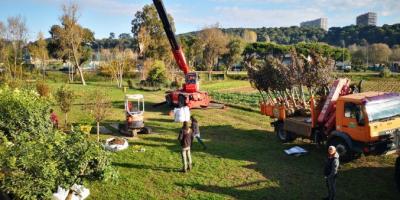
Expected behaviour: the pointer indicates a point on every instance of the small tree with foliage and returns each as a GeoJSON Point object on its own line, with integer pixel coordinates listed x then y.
{"type": "Point", "coordinates": [98, 104]}
{"type": "Point", "coordinates": [234, 54]}
{"type": "Point", "coordinates": [40, 52]}
{"type": "Point", "coordinates": [157, 73]}
{"type": "Point", "coordinates": [65, 98]}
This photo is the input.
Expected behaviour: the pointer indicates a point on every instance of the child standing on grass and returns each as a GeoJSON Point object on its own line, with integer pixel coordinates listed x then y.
{"type": "Point", "coordinates": [196, 131]}
{"type": "Point", "coordinates": [54, 118]}
{"type": "Point", "coordinates": [185, 138]}
{"type": "Point", "coordinates": [330, 172]}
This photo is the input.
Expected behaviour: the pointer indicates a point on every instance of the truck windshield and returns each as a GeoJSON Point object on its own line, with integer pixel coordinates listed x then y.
{"type": "Point", "coordinates": [383, 108]}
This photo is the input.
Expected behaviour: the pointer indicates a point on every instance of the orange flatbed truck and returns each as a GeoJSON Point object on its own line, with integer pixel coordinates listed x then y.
{"type": "Point", "coordinates": [354, 123]}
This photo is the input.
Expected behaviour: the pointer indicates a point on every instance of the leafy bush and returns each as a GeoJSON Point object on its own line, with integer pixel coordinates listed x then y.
{"type": "Point", "coordinates": [43, 89]}
{"type": "Point", "coordinates": [33, 166]}
{"type": "Point", "coordinates": [29, 166]}
{"type": "Point", "coordinates": [82, 159]}
{"type": "Point", "coordinates": [34, 157]}
{"type": "Point", "coordinates": [157, 74]}
{"type": "Point", "coordinates": [237, 76]}
{"type": "Point", "coordinates": [385, 73]}
{"type": "Point", "coordinates": [14, 84]}
{"type": "Point", "coordinates": [22, 111]}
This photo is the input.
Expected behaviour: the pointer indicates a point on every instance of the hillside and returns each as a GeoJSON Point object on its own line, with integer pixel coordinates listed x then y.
{"type": "Point", "coordinates": [389, 34]}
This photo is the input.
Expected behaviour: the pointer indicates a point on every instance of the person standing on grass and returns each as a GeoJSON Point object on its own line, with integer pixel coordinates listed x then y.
{"type": "Point", "coordinates": [330, 172]}
{"type": "Point", "coordinates": [54, 118]}
{"type": "Point", "coordinates": [185, 138]}
{"type": "Point", "coordinates": [196, 131]}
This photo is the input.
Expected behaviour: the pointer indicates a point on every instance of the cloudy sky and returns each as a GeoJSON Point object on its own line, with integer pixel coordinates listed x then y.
{"type": "Point", "coordinates": [105, 16]}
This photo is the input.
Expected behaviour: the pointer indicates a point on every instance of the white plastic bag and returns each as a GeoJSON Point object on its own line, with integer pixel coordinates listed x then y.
{"type": "Point", "coordinates": [80, 193]}
{"type": "Point", "coordinates": [186, 112]}
{"type": "Point", "coordinates": [182, 114]}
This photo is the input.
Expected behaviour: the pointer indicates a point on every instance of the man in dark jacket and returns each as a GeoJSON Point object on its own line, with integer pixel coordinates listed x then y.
{"type": "Point", "coordinates": [185, 138]}
{"type": "Point", "coordinates": [330, 172]}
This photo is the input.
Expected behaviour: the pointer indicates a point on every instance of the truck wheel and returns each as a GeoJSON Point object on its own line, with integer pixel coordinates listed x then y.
{"type": "Point", "coordinates": [342, 148]}
{"type": "Point", "coordinates": [283, 135]}
{"type": "Point", "coordinates": [397, 173]}
{"type": "Point", "coordinates": [145, 130]}
{"type": "Point", "coordinates": [181, 101]}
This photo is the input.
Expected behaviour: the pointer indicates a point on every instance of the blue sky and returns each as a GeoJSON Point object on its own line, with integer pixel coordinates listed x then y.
{"type": "Point", "coordinates": [105, 16]}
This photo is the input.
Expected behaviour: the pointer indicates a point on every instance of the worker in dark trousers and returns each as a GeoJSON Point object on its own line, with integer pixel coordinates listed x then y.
{"type": "Point", "coordinates": [196, 131]}
{"type": "Point", "coordinates": [185, 138]}
{"type": "Point", "coordinates": [330, 172]}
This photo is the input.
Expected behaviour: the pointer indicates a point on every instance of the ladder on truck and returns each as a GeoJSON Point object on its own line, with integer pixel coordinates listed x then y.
{"type": "Point", "coordinates": [327, 117]}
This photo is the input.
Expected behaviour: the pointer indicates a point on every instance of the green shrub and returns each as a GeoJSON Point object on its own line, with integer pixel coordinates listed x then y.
{"type": "Point", "coordinates": [35, 158]}
{"type": "Point", "coordinates": [157, 74]}
{"type": "Point", "coordinates": [237, 76]}
{"type": "Point", "coordinates": [34, 165]}
{"type": "Point", "coordinates": [15, 83]}
{"type": "Point", "coordinates": [22, 111]}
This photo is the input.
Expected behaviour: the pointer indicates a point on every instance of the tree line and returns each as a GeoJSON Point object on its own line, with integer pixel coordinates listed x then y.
{"type": "Point", "coordinates": [212, 48]}
{"type": "Point", "coordinates": [353, 34]}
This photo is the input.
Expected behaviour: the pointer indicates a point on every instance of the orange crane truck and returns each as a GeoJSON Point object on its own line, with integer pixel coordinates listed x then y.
{"type": "Point", "coordinates": [354, 123]}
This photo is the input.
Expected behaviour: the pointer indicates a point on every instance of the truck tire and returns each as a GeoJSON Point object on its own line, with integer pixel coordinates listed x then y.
{"type": "Point", "coordinates": [282, 135]}
{"type": "Point", "coordinates": [342, 148]}
{"type": "Point", "coordinates": [397, 173]}
{"type": "Point", "coordinates": [145, 130]}
{"type": "Point", "coordinates": [181, 101]}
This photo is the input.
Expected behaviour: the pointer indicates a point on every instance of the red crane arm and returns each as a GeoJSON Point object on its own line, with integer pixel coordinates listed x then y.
{"type": "Point", "coordinates": [180, 60]}
{"type": "Point", "coordinates": [176, 49]}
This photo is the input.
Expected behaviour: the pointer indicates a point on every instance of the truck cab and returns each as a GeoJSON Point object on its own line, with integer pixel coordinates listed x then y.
{"type": "Point", "coordinates": [366, 122]}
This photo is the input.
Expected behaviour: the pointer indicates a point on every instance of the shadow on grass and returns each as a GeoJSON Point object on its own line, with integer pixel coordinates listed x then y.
{"type": "Point", "coordinates": [154, 168]}
{"type": "Point", "coordinates": [236, 191]}
{"type": "Point", "coordinates": [291, 177]}
{"type": "Point", "coordinates": [352, 184]}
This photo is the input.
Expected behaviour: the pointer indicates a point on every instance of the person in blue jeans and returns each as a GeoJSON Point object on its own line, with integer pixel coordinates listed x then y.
{"type": "Point", "coordinates": [196, 131]}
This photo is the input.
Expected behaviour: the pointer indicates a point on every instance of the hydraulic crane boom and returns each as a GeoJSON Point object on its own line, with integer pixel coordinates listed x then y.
{"type": "Point", "coordinates": [176, 49]}
{"type": "Point", "coordinates": [190, 94]}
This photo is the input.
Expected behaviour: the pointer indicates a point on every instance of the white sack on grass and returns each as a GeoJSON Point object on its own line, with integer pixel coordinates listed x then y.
{"type": "Point", "coordinates": [115, 147]}
{"type": "Point", "coordinates": [182, 114]}
{"type": "Point", "coordinates": [80, 193]}
{"type": "Point", "coordinates": [296, 150]}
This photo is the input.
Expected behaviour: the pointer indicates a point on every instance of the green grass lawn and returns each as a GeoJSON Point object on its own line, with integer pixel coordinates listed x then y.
{"type": "Point", "coordinates": [243, 160]}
